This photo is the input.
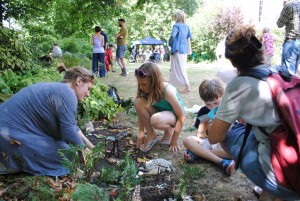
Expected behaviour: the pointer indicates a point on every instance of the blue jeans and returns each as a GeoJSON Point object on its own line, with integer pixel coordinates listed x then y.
{"type": "Point", "coordinates": [291, 55]}
{"type": "Point", "coordinates": [98, 57]}
{"type": "Point", "coordinates": [250, 164]}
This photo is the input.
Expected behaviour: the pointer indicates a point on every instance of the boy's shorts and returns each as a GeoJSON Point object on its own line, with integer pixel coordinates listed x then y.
{"type": "Point", "coordinates": [205, 143]}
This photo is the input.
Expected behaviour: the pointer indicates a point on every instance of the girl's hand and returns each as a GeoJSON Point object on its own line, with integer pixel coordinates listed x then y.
{"type": "Point", "coordinates": [174, 147]}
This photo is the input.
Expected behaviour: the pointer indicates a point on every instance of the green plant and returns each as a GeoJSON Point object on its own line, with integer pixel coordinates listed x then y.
{"type": "Point", "coordinates": [76, 59]}
{"type": "Point", "coordinates": [87, 192]}
{"type": "Point", "coordinates": [11, 82]}
{"type": "Point", "coordinates": [189, 174]}
{"type": "Point", "coordinates": [13, 52]}
{"type": "Point", "coordinates": [129, 177]}
{"type": "Point", "coordinates": [98, 105]}
{"type": "Point", "coordinates": [30, 188]}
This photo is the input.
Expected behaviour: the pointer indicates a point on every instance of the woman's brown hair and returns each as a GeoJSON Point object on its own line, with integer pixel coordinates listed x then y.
{"type": "Point", "coordinates": [72, 74]}
{"type": "Point", "coordinates": [152, 73]}
{"type": "Point", "coordinates": [243, 49]}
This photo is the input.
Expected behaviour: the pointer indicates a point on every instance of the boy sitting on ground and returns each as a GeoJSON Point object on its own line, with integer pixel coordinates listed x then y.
{"type": "Point", "coordinates": [211, 92]}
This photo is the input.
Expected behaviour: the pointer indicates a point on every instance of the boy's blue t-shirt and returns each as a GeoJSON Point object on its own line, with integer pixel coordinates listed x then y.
{"type": "Point", "coordinates": [204, 110]}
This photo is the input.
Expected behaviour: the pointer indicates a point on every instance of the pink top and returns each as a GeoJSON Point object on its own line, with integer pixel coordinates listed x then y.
{"type": "Point", "coordinates": [269, 43]}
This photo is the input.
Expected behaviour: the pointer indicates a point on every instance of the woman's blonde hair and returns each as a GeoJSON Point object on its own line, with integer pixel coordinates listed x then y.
{"type": "Point", "coordinates": [243, 49]}
{"type": "Point", "coordinates": [180, 16]}
{"type": "Point", "coordinates": [151, 72]}
{"type": "Point", "coordinates": [72, 74]}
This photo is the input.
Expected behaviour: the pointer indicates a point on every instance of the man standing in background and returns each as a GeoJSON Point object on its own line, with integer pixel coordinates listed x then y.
{"type": "Point", "coordinates": [121, 46]}
{"type": "Point", "coordinates": [290, 18]}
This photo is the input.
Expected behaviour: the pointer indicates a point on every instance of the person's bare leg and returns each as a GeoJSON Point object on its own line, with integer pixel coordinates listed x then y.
{"type": "Point", "coordinates": [164, 121]}
{"type": "Point", "coordinates": [144, 115]}
{"type": "Point", "coordinates": [141, 136]}
{"type": "Point", "coordinates": [122, 60]}
{"type": "Point", "coordinates": [119, 62]}
{"type": "Point", "coordinates": [112, 66]}
{"type": "Point", "coordinates": [193, 145]}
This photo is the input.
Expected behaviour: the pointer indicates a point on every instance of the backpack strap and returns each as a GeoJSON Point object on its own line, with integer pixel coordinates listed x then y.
{"type": "Point", "coordinates": [263, 73]}
{"type": "Point", "coordinates": [246, 135]}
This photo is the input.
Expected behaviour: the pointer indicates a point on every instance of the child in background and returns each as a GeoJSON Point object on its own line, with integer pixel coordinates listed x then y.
{"type": "Point", "coordinates": [211, 92]}
{"type": "Point", "coordinates": [158, 106]}
{"type": "Point", "coordinates": [268, 43]}
{"type": "Point", "coordinates": [56, 52]}
{"type": "Point", "coordinates": [109, 58]}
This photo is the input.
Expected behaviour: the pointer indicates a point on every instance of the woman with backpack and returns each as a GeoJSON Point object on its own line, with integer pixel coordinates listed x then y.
{"type": "Point", "coordinates": [249, 99]}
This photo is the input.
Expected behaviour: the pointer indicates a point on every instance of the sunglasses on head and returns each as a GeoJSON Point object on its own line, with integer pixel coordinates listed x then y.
{"type": "Point", "coordinates": [140, 73]}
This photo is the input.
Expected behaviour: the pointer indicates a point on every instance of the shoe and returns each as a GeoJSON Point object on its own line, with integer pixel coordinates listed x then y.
{"type": "Point", "coordinates": [228, 166]}
{"type": "Point", "coordinates": [145, 148]}
{"type": "Point", "coordinates": [192, 155]}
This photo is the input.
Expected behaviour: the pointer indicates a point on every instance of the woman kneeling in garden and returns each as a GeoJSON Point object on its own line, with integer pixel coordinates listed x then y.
{"type": "Point", "coordinates": [158, 106]}
{"type": "Point", "coordinates": [41, 119]}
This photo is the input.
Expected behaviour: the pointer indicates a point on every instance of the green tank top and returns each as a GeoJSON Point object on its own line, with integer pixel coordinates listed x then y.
{"type": "Point", "coordinates": [164, 105]}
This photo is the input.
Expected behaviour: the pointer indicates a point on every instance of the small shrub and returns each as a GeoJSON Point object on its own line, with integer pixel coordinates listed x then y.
{"type": "Point", "coordinates": [11, 82]}
{"type": "Point", "coordinates": [188, 176]}
{"type": "Point", "coordinates": [88, 192]}
{"type": "Point", "coordinates": [98, 105]}
{"type": "Point", "coordinates": [13, 52]}
{"type": "Point", "coordinates": [76, 59]}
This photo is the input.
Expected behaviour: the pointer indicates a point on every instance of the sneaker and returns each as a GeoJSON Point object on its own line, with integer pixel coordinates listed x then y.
{"type": "Point", "coordinates": [124, 73]}
{"type": "Point", "coordinates": [228, 166]}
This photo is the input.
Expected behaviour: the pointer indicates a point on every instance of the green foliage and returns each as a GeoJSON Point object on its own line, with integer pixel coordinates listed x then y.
{"type": "Point", "coordinates": [189, 174]}
{"type": "Point", "coordinates": [98, 105]}
{"type": "Point", "coordinates": [13, 52]}
{"type": "Point", "coordinates": [76, 59]}
{"type": "Point", "coordinates": [31, 188]}
{"type": "Point", "coordinates": [209, 27]}
{"type": "Point", "coordinates": [40, 44]}
{"type": "Point", "coordinates": [11, 82]}
{"type": "Point", "coordinates": [125, 173]}
{"type": "Point", "coordinates": [87, 192]}
{"type": "Point", "coordinates": [76, 45]}
{"type": "Point", "coordinates": [25, 9]}
{"type": "Point", "coordinates": [72, 160]}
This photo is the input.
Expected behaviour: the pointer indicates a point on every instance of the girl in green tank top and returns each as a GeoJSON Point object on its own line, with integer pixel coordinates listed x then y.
{"type": "Point", "coordinates": [158, 106]}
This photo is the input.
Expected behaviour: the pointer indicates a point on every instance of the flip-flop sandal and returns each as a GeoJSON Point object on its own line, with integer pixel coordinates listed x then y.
{"type": "Point", "coordinates": [165, 141]}
{"type": "Point", "coordinates": [150, 145]}
{"type": "Point", "coordinates": [193, 156]}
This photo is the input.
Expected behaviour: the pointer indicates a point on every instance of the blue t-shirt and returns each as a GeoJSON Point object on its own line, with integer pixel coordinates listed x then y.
{"type": "Point", "coordinates": [179, 38]}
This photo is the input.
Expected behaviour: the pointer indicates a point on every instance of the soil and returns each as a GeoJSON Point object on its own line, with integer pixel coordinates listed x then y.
{"type": "Point", "coordinates": [215, 185]}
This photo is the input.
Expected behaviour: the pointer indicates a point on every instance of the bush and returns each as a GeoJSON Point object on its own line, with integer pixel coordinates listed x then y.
{"type": "Point", "coordinates": [98, 105]}
{"type": "Point", "coordinates": [76, 59]}
{"type": "Point", "coordinates": [87, 192]}
{"type": "Point", "coordinates": [13, 52]}
{"type": "Point", "coordinates": [40, 45]}
{"type": "Point", "coordinates": [11, 82]}
{"type": "Point", "coordinates": [213, 26]}
{"type": "Point", "coordinates": [80, 46]}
